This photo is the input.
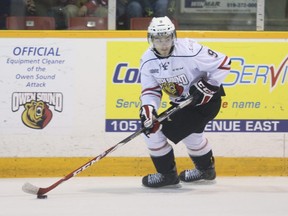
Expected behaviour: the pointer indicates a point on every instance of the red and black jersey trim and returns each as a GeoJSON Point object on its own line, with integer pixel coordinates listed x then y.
{"type": "Point", "coordinates": [224, 66]}
{"type": "Point", "coordinates": [156, 91]}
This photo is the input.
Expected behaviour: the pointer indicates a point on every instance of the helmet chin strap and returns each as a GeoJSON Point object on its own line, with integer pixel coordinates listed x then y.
{"type": "Point", "coordinates": [162, 56]}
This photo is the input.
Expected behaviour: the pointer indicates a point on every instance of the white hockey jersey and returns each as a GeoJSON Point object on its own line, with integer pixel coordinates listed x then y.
{"type": "Point", "coordinates": [188, 62]}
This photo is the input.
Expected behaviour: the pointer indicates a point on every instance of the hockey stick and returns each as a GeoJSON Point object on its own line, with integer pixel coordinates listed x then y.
{"type": "Point", "coordinates": [29, 188]}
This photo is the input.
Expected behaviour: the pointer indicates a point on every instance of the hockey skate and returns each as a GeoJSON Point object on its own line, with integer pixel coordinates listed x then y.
{"type": "Point", "coordinates": [196, 175]}
{"type": "Point", "coordinates": [160, 180]}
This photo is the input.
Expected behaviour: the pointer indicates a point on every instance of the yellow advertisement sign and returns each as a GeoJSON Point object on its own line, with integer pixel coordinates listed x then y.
{"type": "Point", "coordinates": [256, 89]}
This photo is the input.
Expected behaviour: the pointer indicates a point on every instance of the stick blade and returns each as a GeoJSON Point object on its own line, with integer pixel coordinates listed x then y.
{"type": "Point", "coordinates": [29, 188]}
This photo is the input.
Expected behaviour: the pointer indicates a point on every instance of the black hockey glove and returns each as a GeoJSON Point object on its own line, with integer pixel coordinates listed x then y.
{"type": "Point", "coordinates": [202, 92]}
{"type": "Point", "coordinates": [148, 115]}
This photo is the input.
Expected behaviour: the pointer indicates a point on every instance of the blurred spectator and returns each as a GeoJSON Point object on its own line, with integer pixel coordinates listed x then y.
{"type": "Point", "coordinates": [62, 10]}
{"type": "Point", "coordinates": [144, 8]}
{"type": "Point", "coordinates": [121, 14]}
{"type": "Point", "coordinates": [30, 7]}
{"type": "Point", "coordinates": [98, 8]}
{"type": "Point", "coordinates": [41, 7]}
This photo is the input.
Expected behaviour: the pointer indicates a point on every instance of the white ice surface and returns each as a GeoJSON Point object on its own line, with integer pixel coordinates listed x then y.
{"type": "Point", "coordinates": [125, 196]}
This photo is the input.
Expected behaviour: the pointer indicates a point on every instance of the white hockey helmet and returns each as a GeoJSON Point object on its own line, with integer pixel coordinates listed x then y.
{"type": "Point", "coordinates": [161, 26]}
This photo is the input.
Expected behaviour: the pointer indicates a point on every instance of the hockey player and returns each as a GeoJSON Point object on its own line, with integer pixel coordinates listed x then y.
{"type": "Point", "coordinates": [180, 68]}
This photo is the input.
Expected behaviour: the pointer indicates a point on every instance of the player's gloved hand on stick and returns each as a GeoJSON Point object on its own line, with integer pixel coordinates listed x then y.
{"type": "Point", "coordinates": [148, 115]}
{"type": "Point", "coordinates": [202, 92]}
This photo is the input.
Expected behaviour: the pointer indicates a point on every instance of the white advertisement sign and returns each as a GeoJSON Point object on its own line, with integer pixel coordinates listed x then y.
{"type": "Point", "coordinates": [219, 6]}
{"type": "Point", "coordinates": [37, 79]}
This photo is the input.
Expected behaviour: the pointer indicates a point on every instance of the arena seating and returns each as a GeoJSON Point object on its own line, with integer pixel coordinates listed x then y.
{"type": "Point", "coordinates": [30, 23]}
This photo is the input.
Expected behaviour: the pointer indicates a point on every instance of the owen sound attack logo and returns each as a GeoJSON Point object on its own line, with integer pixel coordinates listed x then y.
{"type": "Point", "coordinates": [37, 112]}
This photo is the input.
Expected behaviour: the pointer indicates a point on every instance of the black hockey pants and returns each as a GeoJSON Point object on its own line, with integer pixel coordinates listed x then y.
{"type": "Point", "coordinates": [190, 119]}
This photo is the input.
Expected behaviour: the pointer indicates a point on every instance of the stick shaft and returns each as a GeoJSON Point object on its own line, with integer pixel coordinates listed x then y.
{"type": "Point", "coordinates": [42, 191]}
{"type": "Point", "coordinates": [29, 188]}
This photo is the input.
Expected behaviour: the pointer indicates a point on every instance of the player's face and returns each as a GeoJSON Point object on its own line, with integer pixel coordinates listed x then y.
{"type": "Point", "coordinates": [163, 44]}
